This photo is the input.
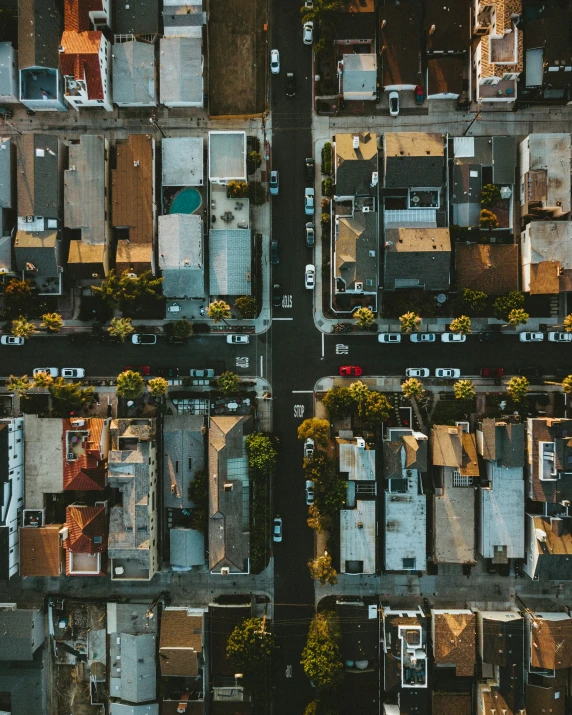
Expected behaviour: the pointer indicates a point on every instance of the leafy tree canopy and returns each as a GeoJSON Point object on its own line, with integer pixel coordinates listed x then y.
{"type": "Point", "coordinates": [261, 453]}
{"type": "Point", "coordinates": [318, 430]}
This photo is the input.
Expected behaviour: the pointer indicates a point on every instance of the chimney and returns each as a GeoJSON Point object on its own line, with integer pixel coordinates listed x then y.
{"type": "Point", "coordinates": [432, 30]}
{"type": "Point", "coordinates": [557, 525]}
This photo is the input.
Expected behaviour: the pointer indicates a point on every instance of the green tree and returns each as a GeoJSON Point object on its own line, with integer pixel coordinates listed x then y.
{"type": "Point", "coordinates": [518, 316]}
{"type": "Point", "coordinates": [488, 219]}
{"type": "Point", "coordinates": [158, 386]}
{"type": "Point", "coordinates": [43, 380]}
{"type": "Point", "coordinates": [410, 322]}
{"type": "Point", "coordinates": [69, 396]}
{"type": "Point", "coordinates": [130, 385]}
{"type": "Point", "coordinates": [338, 402]}
{"type": "Point", "coordinates": [318, 521]}
{"type": "Point", "coordinates": [246, 304]}
{"type": "Point", "coordinates": [182, 328]}
{"type": "Point", "coordinates": [318, 430]}
{"type": "Point", "coordinates": [325, 219]}
{"type": "Point", "coordinates": [199, 495]}
{"type": "Point", "coordinates": [253, 161]}
{"type": "Point", "coordinates": [23, 328]}
{"type": "Point", "coordinates": [517, 387]}
{"type": "Point", "coordinates": [490, 195]}
{"type": "Point", "coordinates": [374, 409]}
{"type": "Point", "coordinates": [322, 569]}
{"type": "Point", "coordinates": [412, 388]}
{"type": "Point", "coordinates": [126, 290]}
{"type": "Point", "coordinates": [120, 328]}
{"type": "Point", "coordinates": [364, 317]}
{"type": "Point", "coordinates": [238, 189]}
{"type": "Point", "coordinates": [219, 310]}
{"type": "Point", "coordinates": [331, 494]}
{"type": "Point", "coordinates": [322, 11]}
{"type": "Point", "coordinates": [464, 390]}
{"type": "Point", "coordinates": [249, 649]}
{"type": "Point", "coordinates": [52, 322]}
{"type": "Point", "coordinates": [359, 392]}
{"type": "Point", "coordinates": [228, 382]}
{"type": "Point", "coordinates": [568, 323]}
{"type": "Point", "coordinates": [505, 303]}
{"type": "Point", "coordinates": [321, 657]}
{"type": "Point", "coordinates": [461, 325]}
{"type": "Point", "coordinates": [19, 385]}
{"type": "Point", "coordinates": [18, 297]}
{"type": "Point", "coordinates": [567, 385]}
{"type": "Point", "coordinates": [326, 705]}
{"type": "Point", "coordinates": [320, 468]}
{"type": "Point", "coordinates": [261, 453]}
{"type": "Point", "coordinates": [473, 301]}
{"type": "Point", "coordinates": [320, 47]}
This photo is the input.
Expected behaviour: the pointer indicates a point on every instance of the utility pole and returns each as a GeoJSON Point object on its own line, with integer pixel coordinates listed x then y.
{"type": "Point", "coordinates": [477, 116]}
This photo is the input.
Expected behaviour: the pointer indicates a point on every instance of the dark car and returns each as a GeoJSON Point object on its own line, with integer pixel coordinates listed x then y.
{"type": "Point", "coordinates": [274, 251]}
{"type": "Point", "coordinates": [492, 372]}
{"type": "Point", "coordinates": [490, 337]}
{"type": "Point", "coordinates": [174, 340]}
{"type": "Point", "coordinates": [107, 339]}
{"type": "Point", "coordinates": [79, 338]}
{"type": "Point", "coordinates": [168, 372]}
{"type": "Point", "coordinates": [277, 295]}
{"type": "Point", "coordinates": [530, 371]}
{"type": "Point", "coordinates": [310, 235]}
{"type": "Point", "coordinates": [309, 168]}
{"type": "Point", "coordinates": [290, 84]}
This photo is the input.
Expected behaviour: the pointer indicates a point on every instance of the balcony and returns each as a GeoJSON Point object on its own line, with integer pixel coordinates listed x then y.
{"type": "Point", "coordinates": [503, 91]}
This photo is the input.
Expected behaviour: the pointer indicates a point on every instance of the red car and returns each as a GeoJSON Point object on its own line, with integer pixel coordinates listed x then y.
{"type": "Point", "coordinates": [145, 370]}
{"type": "Point", "coordinates": [350, 371]}
{"type": "Point", "coordinates": [492, 372]}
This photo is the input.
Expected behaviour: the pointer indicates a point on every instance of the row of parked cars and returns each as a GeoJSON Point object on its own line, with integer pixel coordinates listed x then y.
{"type": "Point", "coordinates": [525, 337]}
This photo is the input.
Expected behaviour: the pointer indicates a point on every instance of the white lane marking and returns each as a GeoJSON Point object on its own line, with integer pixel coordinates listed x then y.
{"type": "Point", "coordinates": [322, 346]}
{"type": "Point", "coordinates": [261, 366]}
{"type": "Point", "coordinates": [302, 392]}
{"type": "Point", "coordinates": [282, 318]}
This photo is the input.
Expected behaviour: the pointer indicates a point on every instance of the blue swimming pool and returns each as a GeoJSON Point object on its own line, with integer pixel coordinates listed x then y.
{"type": "Point", "coordinates": [186, 201]}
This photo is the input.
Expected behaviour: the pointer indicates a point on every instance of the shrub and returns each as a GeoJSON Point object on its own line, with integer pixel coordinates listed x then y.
{"type": "Point", "coordinates": [327, 158]}
{"type": "Point", "coordinates": [473, 301]}
{"type": "Point", "coordinates": [505, 304]}
{"type": "Point", "coordinates": [327, 186]}
{"type": "Point", "coordinates": [257, 193]}
{"type": "Point", "coordinates": [488, 219]}
{"type": "Point", "coordinates": [253, 161]}
{"type": "Point", "coordinates": [490, 194]}
{"type": "Point", "coordinates": [325, 219]}
{"type": "Point", "coordinates": [238, 189]}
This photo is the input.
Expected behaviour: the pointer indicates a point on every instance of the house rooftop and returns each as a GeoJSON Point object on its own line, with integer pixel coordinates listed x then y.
{"type": "Point", "coordinates": [405, 525]}
{"type": "Point", "coordinates": [502, 441]}
{"type": "Point", "coordinates": [546, 256]}
{"type": "Point", "coordinates": [544, 485]}
{"type": "Point", "coordinates": [183, 457]}
{"type": "Point", "coordinates": [400, 44]}
{"type": "Point", "coordinates": [187, 548]}
{"type": "Point", "coordinates": [38, 175]}
{"type": "Point", "coordinates": [451, 447]}
{"type": "Point", "coordinates": [447, 25]}
{"type": "Point", "coordinates": [501, 638]}
{"type": "Point", "coordinates": [182, 161]}
{"type": "Point", "coordinates": [414, 159]}
{"type": "Point", "coordinates": [501, 508]}
{"type": "Point", "coordinates": [492, 268]}
{"type": "Point", "coordinates": [417, 257]}
{"type": "Point", "coordinates": [79, 58]}
{"type": "Point", "coordinates": [454, 519]}
{"type": "Point", "coordinates": [454, 641]}
{"type": "Point", "coordinates": [354, 167]}
{"type": "Point", "coordinates": [356, 459]}
{"type": "Point", "coordinates": [133, 71]}
{"type": "Point", "coordinates": [358, 542]}
{"type": "Point", "coordinates": [181, 257]}
{"type": "Point", "coordinates": [359, 76]}
{"type": "Point", "coordinates": [5, 175]}
{"type": "Point", "coordinates": [137, 19]}
{"type": "Point", "coordinates": [451, 703]}
{"type": "Point", "coordinates": [40, 25]}
{"type": "Point", "coordinates": [44, 462]}
{"type": "Point", "coordinates": [133, 671]}
{"type": "Point", "coordinates": [25, 684]}
{"type": "Point", "coordinates": [41, 551]}
{"type": "Point", "coordinates": [551, 641]}
{"type": "Point", "coordinates": [445, 75]}
{"type": "Point", "coordinates": [230, 262]}
{"type": "Point", "coordinates": [132, 188]}
{"type": "Point", "coordinates": [181, 70]}
{"type": "Point", "coordinates": [19, 637]}
{"type": "Point", "coordinates": [227, 156]}
{"type": "Point", "coordinates": [356, 252]}
{"type": "Point", "coordinates": [181, 642]}
{"type": "Point", "coordinates": [541, 157]}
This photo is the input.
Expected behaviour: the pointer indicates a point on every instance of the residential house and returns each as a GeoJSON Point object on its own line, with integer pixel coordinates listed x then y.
{"type": "Point", "coordinates": [184, 19]}
{"type": "Point", "coordinates": [454, 637]}
{"type": "Point", "coordinates": [356, 54]}
{"type": "Point", "coordinates": [7, 203]}
{"type": "Point", "coordinates": [549, 461]}
{"type": "Point", "coordinates": [11, 494]}
{"type": "Point", "coordinates": [500, 498]}
{"type": "Point", "coordinates": [41, 86]}
{"type": "Point", "coordinates": [227, 692]}
{"type": "Point", "coordinates": [8, 73]}
{"type": "Point", "coordinates": [229, 487]}
{"type": "Point", "coordinates": [405, 461]}
{"type": "Point", "coordinates": [545, 176]}
{"type": "Point", "coordinates": [182, 161]}
{"type": "Point", "coordinates": [417, 258]}
{"type": "Point", "coordinates": [447, 40]}
{"type": "Point", "coordinates": [491, 268]}
{"type": "Point", "coordinates": [227, 157]}
{"type": "Point", "coordinates": [355, 231]}
{"type": "Point", "coordinates": [85, 55]}
{"type": "Point", "coordinates": [86, 208]}
{"type": "Point", "coordinates": [181, 646]}
{"type": "Point", "coordinates": [133, 72]}
{"type": "Point", "coordinates": [132, 469]}
{"type": "Point", "coordinates": [22, 632]}
{"type": "Point", "coordinates": [549, 546]}
{"type": "Point", "coordinates": [140, 21]}
{"type": "Point", "coordinates": [455, 473]}
{"type": "Point", "coordinates": [41, 550]}
{"type": "Point", "coordinates": [134, 208]}
{"type": "Point", "coordinates": [400, 45]}
{"type": "Point", "coordinates": [181, 255]}
{"type": "Point", "coordinates": [359, 630]}
{"type": "Point", "coordinates": [358, 520]}
{"type": "Point", "coordinates": [39, 249]}
{"type": "Point", "coordinates": [183, 458]}
{"type": "Point", "coordinates": [548, 651]}
{"type": "Point", "coordinates": [499, 51]}
{"type": "Point", "coordinates": [546, 257]}
{"type": "Point", "coordinates": [357, 77]}
{"type": "Point", "coordinates": [86, 540]}
{"type": "Point", "coordinates": [181, 72]}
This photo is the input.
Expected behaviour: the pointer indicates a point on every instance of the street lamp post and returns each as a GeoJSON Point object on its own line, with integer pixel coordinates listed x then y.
{"type": "Point", "coordinates": [153, 121]}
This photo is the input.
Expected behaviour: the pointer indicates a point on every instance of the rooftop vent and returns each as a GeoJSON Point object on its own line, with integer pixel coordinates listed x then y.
{"type": "Point", "coordinates": [355, 141]}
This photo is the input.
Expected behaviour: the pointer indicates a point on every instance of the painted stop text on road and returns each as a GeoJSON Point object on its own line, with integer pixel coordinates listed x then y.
{"type": "Point", "coordinates": [299, 411]}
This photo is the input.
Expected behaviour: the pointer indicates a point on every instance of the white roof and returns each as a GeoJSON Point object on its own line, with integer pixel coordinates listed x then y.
{"type": "Point", "coordinates": [360, 76]}
{"type": "Point", "coordinates": [229, 262]}
{"type": "Point", "coordinates": [358, 543]}
{"type": "Point", "coordinates": [501, 510]}
{"type": "Point", "coordinates": [181, 256]}
{"type": "Point", "coordinates": [359, 463]}
{"type": "Point", "coordinates": [227, 156]}
{"type": "Point", "coordinates": [183, 163]}
{"type": "Point", "coordinates": [405, 528]}
{"type": "Point", "coordinates": [181, 71]}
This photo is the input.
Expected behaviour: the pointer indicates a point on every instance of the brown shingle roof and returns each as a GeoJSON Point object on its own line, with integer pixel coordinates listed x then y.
{"type": "Point", "coordinates": [550, 430]}
{"type": "Point", "coordinates": [551, 644]}
{"type": "Point", "coordinates": [490, 268]}
{"type": "Point", "coordinates": [542, 699]}
{"type": "Point", "coordinates": [450, 447]}
{"type": "Point", "coordinates": [455, 641]}
{"type": "Point", "coordinates": [41, 553]}
{"type": "Point", "coordinates": [181, 643]}
{"type": "Point", "coordinates": [452, 704]}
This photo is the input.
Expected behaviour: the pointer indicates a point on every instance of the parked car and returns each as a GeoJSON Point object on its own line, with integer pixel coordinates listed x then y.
{"type": "Point", "coordinates": [79, 338]}
{"type": "Point", "coordinates": [104, 338]}
{"type": "Point", "coordinates": [417, 372]}
{"type": "Point", "coordinates": [144, 339]}
{"type": "Point", "coordinates": [309, 201]}
{"type": "Point", "coordinates": [11, 340]}
{"type": "Point", "coordinates": [274, 252]}
{"type": "Point", "coordinates": [531, 337]}
{"type": "Point", "coordinates": [168, 372]}
{"type": "Point", "coordinates": [492, 372]}
{"type": "Point", "coordinates": [309, 168]}
{"type": "Point", "coordinates": [308, 33]}
{"type": "Point", "coordinates": [422, 337]}
{"type": "Point", "coordinates": [273, 183]}
{"type": "Point", "coordinates": [73, 372]}
{"type": "Point", "coordinates": [530, 371]}
{"type": "Point", "coordinates": [144, 370]}
{"type": "Point", "coordinates": [310, 235]}
{"type": "Point", "coordinates": [277, 529]}
{"type": "Point", "coordinates": [309, 4]}
{"type": "Point", "coordinates": [274, 61]}
{"type": "Point", "coordinates": [175, 340]}
{"type": "Point", "coordinates": [560, 337]}
{"type": "Point", "coordinates": [310, 277]}
{"type": "Point", "coordinates": [394, 104]}
{"type": "Point", "coordinates": [309, 448]}
{"type": "Point", "coordinates": [309, 492]}
{"type": "Point", "coordinates": [237, 339]}
{"type": "Point", "coordinates": [489, 337]}
{"type": "Point", "coordinates": [52, 371]}
{"type": "Point", "coordinates": [205, 373]}
{"type": "Point", "coordinates": [389, 338]}
{"type": "Point", "coordinates": [350, 371]}
{"type": "Point", "coordinates": [453, 338]}
{"type": "Point", "coordinates": [290, 84]}
{"type": "Point", "coordinates": [277, 295]}
{"type": "Point", "coordinates": [447, 372]}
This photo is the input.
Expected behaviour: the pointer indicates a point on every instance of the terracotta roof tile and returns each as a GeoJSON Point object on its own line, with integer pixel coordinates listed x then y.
{"type": "Point", "coordinates": [452, 704]}
{"type": "Point", "coordinates": [88, 471]}
{"type": "Point", "coordinates": [76, 13]}
{"type": "Point", "coordinates": [85, 523]}
{"type": "Point", "coordinates": [455, 641]}
{"type": "Point", "coordinates": [80, 59]}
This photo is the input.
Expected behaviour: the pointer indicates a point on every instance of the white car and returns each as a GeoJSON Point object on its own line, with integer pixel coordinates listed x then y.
{"type": "Point", "coordinates": [237, 339]}
{"type": "Point", "coordinates": [273, 183]}
{"type": "Point", "coordinates": [417, 372]}
{"type": "Point", "coordinates": [73, 372]}
{"type": "Point", "coordinates": [308, 33]}
{"type": "Point", "coordinates": [309, 4]}
{"type": "Point", "coordinates": [531, 337]}
{"type": "Point", "coordinates": [310, 277]}
{"type": "Point", "coordinates": [394, 104]}
{"type": "Point", "coordinates": [422, 337]}
{"type": "Point", "coordinates": [11, 340]}
{"type": "Point", "coordinates": [207, 372]}
{"type": "Point", "coordinates": [144, 339]}
{"type": "Point", "coordinates": [309, 448]}
{"type": "Point", "coordinates": [277, 529]}
{"type": "Point", "coordinates": [309, 492]}
{"type": "Point", "coordinates": [389, 338]}
{"type": "Point", "coordinates": [453, 338]}
{"type": "Point", "coordinates": [274, 61]}
{"type": "Point", "coordinates": [559, 337]}
{"type": "Point", "coordinates": [52, 371]}
{"type": "Point", "coordinates": [309, 201]}
{"type": "Point", "coordinates": [447, 372]}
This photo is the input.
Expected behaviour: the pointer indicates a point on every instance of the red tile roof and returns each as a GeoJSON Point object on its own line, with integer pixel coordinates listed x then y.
{"type": "Point", "coordinates": [76, 13]}
{"type": "Point", "coordinates": [84, 523]}
{"type": "Point", "coordinates": [88, 472]}
{"type": "Point", "coordinates": [80, 59]}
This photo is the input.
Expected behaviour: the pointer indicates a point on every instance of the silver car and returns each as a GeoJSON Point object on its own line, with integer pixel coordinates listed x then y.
{"type": "Point", "coordinates": [417, 372]}
{"type": "Point", "coordinates": [422, 337]}
{"type": "Point", "coordinates": [273, 184]}
{"type": "Point", "coordinates": [447, 372]}
{"type": "Point", "coordinates": [73, 372]}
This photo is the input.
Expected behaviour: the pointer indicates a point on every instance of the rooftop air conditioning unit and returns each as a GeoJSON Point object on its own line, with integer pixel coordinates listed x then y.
{"type": "Point", "coordinates": [29, 219]}
{"type": "Point", "coordinates": [71, 457]}
{"type": "Point", "coordinates": [72, 167]}
{"type": "Point", "coordinates": [366, 209]}
{"type": "Point", "coordinates": [224, 571]}
{"type": "Point", "coordinates": [374, 178]}
{"type": "Point", "coordinates": [359, 286]}
{"type": "Point", "coordinates": [355, 141]}
{"type": "Point", "coordinates": [72, 84]}
{"type": "Point", "coordinates": [360, 525]}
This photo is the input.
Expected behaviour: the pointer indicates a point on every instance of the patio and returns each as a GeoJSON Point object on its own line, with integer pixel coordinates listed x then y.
{"type": "Point", "coordinates": [228, 213]}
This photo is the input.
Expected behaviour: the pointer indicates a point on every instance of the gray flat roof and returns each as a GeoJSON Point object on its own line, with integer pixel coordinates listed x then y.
{"type": "Point", "coordinates": [227, 156]}
{"type": "Point", "coordinates": [501, 511]}
{"type": "Point", "coordinates": [405, 527]}
{"type": "Point", "coordinates": [358, 543]}
{"type": "Point", "coordinates": [187, 548]}
{"type": "Point", "coordinates": [183, 456]}
{"type": "Point", "coordinates": [230, 262]}
{"type": "Point", "coordinates": [181, 256]}
{"type": "Point", "coordinates": [43, 459]}
{"type": "Point", "coordinates": [133, 68]}
{"type": "Point", "coordinates": [135, 18]}
{"type": "Point", "coordinates": [181, 71]}
{"type": "Point", "coordinates": [5, 174]}
{"type": "Point", "coordinates": [183, 161]}
{"type": "Point", "coordinates": [454, 523]}
{"type": "Point", "coordinates": [546, 151]}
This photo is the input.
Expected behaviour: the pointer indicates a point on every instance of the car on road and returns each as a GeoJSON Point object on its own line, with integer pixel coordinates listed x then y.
{"type": "Point", "coordinates": [389, 338]}
{"type": "Point", "coordinates": [309, 201]}
{"type": "Point", "coordinates": [309, 492]}
{"type": "Point", "coordinates": [453, 338]}
{"type": "Point", "coordinates": [79, 338]}
{"type": "Point", "coordinates": [422, 337]}
{"type": "Point", "coordinates": [417, 372]}
{"type": "Point", "coordinates": [51, 371]}
{"type": "Point", "coordinates": [144, 339]}
{"type": "Point", "coordinates": [310, 235]}
{"type": "Point", "coordinates": [277, 529]}
{"type": "Point", "coordinates": [144, 370]}
{"type": "Point", "coordinates": [11, 340]}
{"type": "Point", "coordinates": [72, 372]}
{"type": "Point", "coordinates": [447, 372]}
{"type": "Point", "coordinates": [274, 61]}
{"type": "Point", "coordinates": [350, 371]}
{"type": "Point", "coordinates": [308, 33]}
{"type": "Point", "coordinates": [274, 252]}
{"type": "Point", "coordinates": [104, 338]}
{"type": "Point", "coordinates": [206, 372]}
{"type": "Point", "coordinates": [176, 340]}
{"type": "Point", "coordinates": [530, 371]}
{"type": "Point", "coordinates": [309, 168]}
{"type": "Point", "coordinates": [309, 448]}
{"type": "Point", "coordinates": [492, 372]}
{"type": "Point", "coordinates": [277, 295]}
{"type": "Point", "coordinates": [531, 337]}
{"type": "Point", "coordinates": [168, 372]}
{"type": "Point", "coordinates": [309, 4]}
{"type": "Point", "coordinates": [290, 84]}
{"type": "Point", "coordinates": [394, 104]}
{"type": "Point", "coordinates": [559, 337]}
{"type": "Point", "coordinates": [273, 184]}
{"type": "Point", "coordinates": [237, 339]}
{"type": "Point", "coordinates": [310, 277]}
{"type": "Point", "coordinates": [489, 337]}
